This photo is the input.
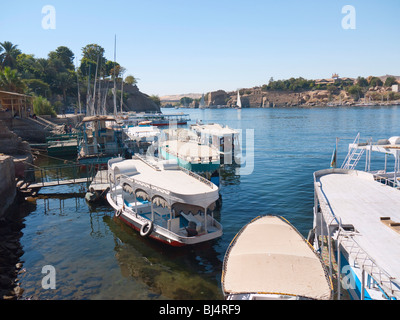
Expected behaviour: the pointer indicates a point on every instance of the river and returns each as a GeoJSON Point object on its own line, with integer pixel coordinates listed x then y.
{"type": "Point", "coordinates": [95, 256]}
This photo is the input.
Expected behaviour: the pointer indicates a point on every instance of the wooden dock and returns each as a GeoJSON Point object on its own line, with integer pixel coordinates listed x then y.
{"type": "Point", "coordinates": [98, 182]}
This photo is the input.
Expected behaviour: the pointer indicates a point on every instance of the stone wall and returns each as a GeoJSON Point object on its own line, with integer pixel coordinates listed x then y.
{"type": "Point", "coordinates": [7, 183]}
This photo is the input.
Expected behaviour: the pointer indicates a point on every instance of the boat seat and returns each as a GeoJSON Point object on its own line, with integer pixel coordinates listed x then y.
{"type": "Point", "coordinates": [173, 224]}
{"type": "Point", "coordinates": [191, 218]}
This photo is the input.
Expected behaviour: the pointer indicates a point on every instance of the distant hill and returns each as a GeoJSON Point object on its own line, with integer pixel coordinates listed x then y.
{"type": "Point", "coordinates": [177, 97]}
{"type": "Point", "coordinates": [383, 78]}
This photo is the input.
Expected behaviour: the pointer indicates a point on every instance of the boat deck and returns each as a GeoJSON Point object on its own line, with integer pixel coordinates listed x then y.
{"type": "Point", "coordinates": [162, 215]}
{"type": "Point", "coordinates": [191, 151]}
{"type": "Point", "coordinates": [358, 200]}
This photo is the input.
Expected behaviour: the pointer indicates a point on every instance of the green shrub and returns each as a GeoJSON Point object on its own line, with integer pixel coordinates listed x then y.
{"type": "Point", "coordinates": [41, 106]}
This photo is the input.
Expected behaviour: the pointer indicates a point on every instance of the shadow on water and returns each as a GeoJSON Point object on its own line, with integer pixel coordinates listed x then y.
{"type": "Point", "coordinates": [167, 272]}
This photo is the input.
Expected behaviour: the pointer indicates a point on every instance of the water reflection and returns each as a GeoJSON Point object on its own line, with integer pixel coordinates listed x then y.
{"type": "Point", "coordinates": [167, 272]}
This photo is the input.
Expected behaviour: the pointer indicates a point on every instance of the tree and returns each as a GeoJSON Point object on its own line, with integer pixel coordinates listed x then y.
{"type": "Point", "coordinates": [64, 81]}
{"type": "Point", "coordinates": [91, 54]}
{"type": "Point", "coordinates": [355, 91]}
{"type": "Point", "coordinates": [66, 56]}
{"type": "Point", "coordinates": [37, 86]}
{"type": "Point", "coordinates": [9, 56]}
{"type": "Point", "coordinates": [375, 82]}
{"type": "Point", "coordinates": [11, 81]}
{"type": "Point", "coordinates": [390, 81]}
{"type": "Point", "coordinates": [92, 51]}
{"type": "Point", "coordinates": [362, 82]}
{"type": "Point", "coordinates": [131, 80]}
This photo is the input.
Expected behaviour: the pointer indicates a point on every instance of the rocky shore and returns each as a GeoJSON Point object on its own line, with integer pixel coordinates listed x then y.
{"type": "Point", "coordinates": [10, 253]}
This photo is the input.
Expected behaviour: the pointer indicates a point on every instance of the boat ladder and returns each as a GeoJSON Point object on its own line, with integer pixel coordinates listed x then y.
{"type": "Point", "coordinates": [365, 263]}
{"type": "Point", "coordinates": [354, 155]}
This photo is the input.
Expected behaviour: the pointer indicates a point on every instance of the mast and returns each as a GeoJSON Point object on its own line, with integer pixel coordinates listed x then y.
{"type": "Point", "coordinates": [88, 113]}
{"type": "Point", "coordinates": [95, 85]}
{"type": "Point", "coordinates": [79, 94]}
{"type": "Point", "coordinates": [115, 89]}
{"type": "Point", "coordinates": [122, 91]}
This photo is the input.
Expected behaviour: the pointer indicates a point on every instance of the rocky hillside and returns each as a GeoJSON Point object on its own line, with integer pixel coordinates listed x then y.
{"type": "Point", "coordinates": [134, 99]}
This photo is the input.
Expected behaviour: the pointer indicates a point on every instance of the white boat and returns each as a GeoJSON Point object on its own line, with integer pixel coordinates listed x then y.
{"type": "Point", "coordinates": [386, 147]}
{"type": "Point", "coordinates": [157, 119]}
{"type": "Point", "coordinates": [357, 211]}
{"type": "Point", "coordinates": [140, 137]}
{"type": "Point", "coordinates": [184, 146]}
{"type": "Point", "coordinates": [224, 139]}
{"type": "Point", "coordinates": [360, 218]}
{"type": "Point", "coordinates": [270, 260]}
{"type": "Point", "coordinates": [163, 201]}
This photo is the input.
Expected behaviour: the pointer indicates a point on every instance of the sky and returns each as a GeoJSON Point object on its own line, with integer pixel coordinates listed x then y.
{"type": "Point", "coordinates": [177, 46]}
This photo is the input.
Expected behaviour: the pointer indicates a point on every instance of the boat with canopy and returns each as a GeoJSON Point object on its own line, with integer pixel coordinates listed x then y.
{"type": "Point", "coordinates": [163, 201]}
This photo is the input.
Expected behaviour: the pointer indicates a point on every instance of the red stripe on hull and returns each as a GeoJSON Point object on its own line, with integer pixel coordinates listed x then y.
{"type": "Point", "coordinates": [167, 124]}
{"type": "Point", "coordinates": [173, 243]}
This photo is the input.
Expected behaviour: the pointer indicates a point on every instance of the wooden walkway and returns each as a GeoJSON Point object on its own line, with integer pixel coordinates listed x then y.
{"type": "Point", "coordinates": [45, 184]}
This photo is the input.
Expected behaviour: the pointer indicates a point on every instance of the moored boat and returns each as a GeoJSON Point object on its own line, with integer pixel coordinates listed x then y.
{"type": "Point", "coordinates": [360, 218]}
{"type": "Point", "coordinates": [183, 145]}
{"type": "Point", "coordinates": [140, 137]}
{"type": "Point", "coordinates": [163, 201]}
{"type": "Point", "coordinates": [270, 260]}
{"type": "Point", "coordinates": [62, 145]}
{"type": "Point", "coordinates": [222, 138]}
{"type": "Point", "coordinates": [99, 140]}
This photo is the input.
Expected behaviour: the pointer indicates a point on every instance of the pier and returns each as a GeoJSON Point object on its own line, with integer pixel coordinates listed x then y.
{"type": "Point", "coordinates": [69, 174]}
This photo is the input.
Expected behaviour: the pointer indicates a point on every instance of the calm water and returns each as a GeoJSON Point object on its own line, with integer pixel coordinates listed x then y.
{"type": "Point", "coordinates": [97, 257]}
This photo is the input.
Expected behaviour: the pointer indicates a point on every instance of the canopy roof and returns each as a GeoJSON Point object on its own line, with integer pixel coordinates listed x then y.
{"type": "Point", "coordinates": [170, 182]}
{"type": "Point", "coordinates": [98, 118]}
{"type": "Point", "coordinates": [270, 256]}
{"type": "Point", "coordinates": [213, 129]}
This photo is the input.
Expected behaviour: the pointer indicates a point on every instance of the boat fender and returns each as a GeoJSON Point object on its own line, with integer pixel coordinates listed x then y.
{"type": "Point", "coordinates": [118, 212]}
{"type": "Point", "coordinates": [146, 229]}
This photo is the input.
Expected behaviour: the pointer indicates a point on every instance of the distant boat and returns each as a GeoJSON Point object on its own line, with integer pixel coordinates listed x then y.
{"type": "Point", "coordinates": [239, 101]}
{"type": "Point", "coordinates": [157, 119]}
{"type": "Point", "coordinates": [99, 139]}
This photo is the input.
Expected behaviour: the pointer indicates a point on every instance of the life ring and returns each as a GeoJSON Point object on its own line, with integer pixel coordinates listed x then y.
{"type": "Point", "coordinates": [118, 212]}
{"type": "Point", "coordinates": [146, 229]}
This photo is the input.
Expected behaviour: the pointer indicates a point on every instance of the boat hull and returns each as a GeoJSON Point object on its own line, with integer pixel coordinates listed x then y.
{"type": "Point", "coordinates": [161, 234]}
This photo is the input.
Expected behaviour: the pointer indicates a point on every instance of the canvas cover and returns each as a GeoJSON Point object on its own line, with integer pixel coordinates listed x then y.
{"type": "Point", "coordinates": [270, 256]}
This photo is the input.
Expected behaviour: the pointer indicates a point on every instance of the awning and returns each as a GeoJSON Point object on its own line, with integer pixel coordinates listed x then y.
{"type": "Point", "coordinates": [127, 188]}
{"type": "Point", "coordinates": [160, 201]}
{"type": "Point", "coordinates": [142, 194]}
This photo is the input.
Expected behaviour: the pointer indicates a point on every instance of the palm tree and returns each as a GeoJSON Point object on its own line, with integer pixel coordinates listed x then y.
{"type": "Point", "coordinates": [11, 81]}
{"type": "Point", "coordinates": [9, 56]}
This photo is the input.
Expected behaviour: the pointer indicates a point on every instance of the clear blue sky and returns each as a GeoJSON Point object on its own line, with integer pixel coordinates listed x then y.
{"type": "Point", "coordinates": [184, 46]}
